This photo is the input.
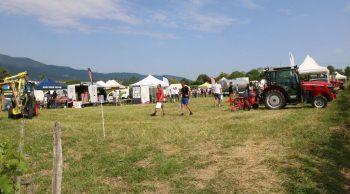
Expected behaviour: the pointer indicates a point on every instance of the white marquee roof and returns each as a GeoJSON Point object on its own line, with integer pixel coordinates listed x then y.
{"type": "Point", "coordinates": [151, 82]}
{"type": "Point", "coordinates": [101, 84]}
{"type": "Point", "coordinates": [340, 76]}
{"type": "Point", "coordinates": [113, 84]}
{"type": "Point", "coordinates": [309, 66]}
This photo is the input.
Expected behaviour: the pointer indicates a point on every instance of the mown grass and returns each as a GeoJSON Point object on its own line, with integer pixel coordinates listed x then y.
{"type": "Point", "coordinates": [294, 150]}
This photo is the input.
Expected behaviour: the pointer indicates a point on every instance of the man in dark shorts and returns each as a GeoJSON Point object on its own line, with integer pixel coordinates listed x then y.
{"type": "Point", "coordinates": [185, 97]}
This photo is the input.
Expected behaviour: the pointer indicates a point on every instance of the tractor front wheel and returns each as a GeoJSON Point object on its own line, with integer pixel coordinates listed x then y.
{"type": "Point", "coordinates": [320, 102]}
{"type": "Point", "coordinates": [274, 99]}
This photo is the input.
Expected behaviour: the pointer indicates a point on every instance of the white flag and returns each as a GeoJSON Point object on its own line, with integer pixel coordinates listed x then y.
{"type": "Point", "coordinates": [166, 81]}
{"type": "Point", "coordinates": [291, 59]}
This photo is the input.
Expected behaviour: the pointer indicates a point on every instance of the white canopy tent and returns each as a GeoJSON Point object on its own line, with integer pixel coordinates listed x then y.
{"type": "Point", "coordinates": [309, 66]}
{"type": "Point", "coordinates": [146, 88]}
{"type": "Point", "coordinates": [113, 84]}
{"type": "Point", "coordinates": [340, 76]}
{"type": "Point", "coordinates": [177, 86]}
{"type": "Point", "coordinates": [150, 81]}
{"type": "Point", "coordinates": [101, 84]}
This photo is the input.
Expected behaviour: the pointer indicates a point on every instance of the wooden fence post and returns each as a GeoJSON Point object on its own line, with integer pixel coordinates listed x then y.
{"type": "Point", "coordinates": [103, 120]}
{"type": "Point", "coordinates": [57, 160]}
{"type": "Point", "coordinates": [20, 150]}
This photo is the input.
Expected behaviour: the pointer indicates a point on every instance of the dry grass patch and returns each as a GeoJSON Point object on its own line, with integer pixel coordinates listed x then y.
{"type": "Point", "coordinates": [115, 147]}
{"type": "Point", "coordinates": [169, 149]}
{"type": "Point", "coordinates": [343, 130]}
{"type": "Point", "coordinates": [146, 163]}
{"type": "Point", "coordinates": [252, 174]}
{"type": "Point", "coordinates": [243, 166]}
{"type": "Point", "coordinates": [156, 187]}
{"type": "Point", "coordinates": [113, 182]}
{"type": "Point", "coordinates": [346, 174]}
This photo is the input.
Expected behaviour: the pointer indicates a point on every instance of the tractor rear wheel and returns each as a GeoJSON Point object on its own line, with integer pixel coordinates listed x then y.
{"type": "Point", "coordinates": [320, 102]}
{"type": "Point", "coordinates": [274, 99]}
{"type": "Point", "coordinates": [31, 113]}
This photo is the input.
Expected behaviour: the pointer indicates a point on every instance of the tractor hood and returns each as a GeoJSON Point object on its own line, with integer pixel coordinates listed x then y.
{"type": "Point", "coordinates": [320, 83]}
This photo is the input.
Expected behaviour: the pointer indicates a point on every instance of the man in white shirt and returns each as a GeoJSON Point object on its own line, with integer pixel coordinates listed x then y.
{"type": "Point", "coordinates": [217, 90]}
{"type": "Point", "coordinates": [176, 95]}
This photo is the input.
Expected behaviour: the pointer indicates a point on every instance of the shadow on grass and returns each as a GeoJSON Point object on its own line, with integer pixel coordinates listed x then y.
{"type": "Point", "coordinates": [322, 167]}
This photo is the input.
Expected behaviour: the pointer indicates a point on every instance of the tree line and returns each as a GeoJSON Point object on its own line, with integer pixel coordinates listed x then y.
{"type": "Point", "coordinates": [254, 74]}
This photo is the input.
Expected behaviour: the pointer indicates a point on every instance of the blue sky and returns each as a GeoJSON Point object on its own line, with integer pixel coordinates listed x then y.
{"type": "Point", "coordinates": [178, 37]}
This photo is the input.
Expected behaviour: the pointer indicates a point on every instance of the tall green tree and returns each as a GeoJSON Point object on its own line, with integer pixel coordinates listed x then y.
{"type": "Point", "coordinates": [222, 74]}
{"type": "Point", "coordinates": [331, 69]}
{"type": "Point", "coordinates": [202, 78]}
{"type": "Point", "coordinates": [254, 74]}
{"type": "Point", "coordinates": [237, 74]}
{"type": "Point", "coordinates": [341, 71]}
{"type": "Point", "coordinates": [347, 71]}
{"type": "Point", "coordinates": [129, 81]}
{"type": "Point", "coordinates": [71, 82]}
{"type": "Point", "coordinates": [3, 73]}
{"type": "Point", "coordinates": [173, 81]}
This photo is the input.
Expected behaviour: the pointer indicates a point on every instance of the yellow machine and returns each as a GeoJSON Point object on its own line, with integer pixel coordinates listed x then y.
{"type": "Point", "coordinates": [23, 100]}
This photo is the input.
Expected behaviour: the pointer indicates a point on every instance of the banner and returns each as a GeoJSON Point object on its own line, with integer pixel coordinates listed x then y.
{"type": "Point", "coordinates": [90, 76]}
{"type": "Point", "coordinates": [291, 59]}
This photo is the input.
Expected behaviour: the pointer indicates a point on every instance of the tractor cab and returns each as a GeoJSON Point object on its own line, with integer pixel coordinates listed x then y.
{"type": "Point", "coordinates": [285, 80]}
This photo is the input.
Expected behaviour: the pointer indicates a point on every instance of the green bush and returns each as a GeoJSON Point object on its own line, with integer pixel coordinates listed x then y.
{"type": "Point", "coordinates": [11, 166]}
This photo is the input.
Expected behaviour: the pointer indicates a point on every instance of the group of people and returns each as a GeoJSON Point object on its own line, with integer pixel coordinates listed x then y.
{"type": "Point", "coordinates": [174, 94]}
{"type": "Point", "coordinates": [201, 92]}
{"type": "Point", "coordinates": [184, 93]}
{"type": "Point", "coordinates": [51, 99]}
{"type": "Point", "coordinates": [216, 90]}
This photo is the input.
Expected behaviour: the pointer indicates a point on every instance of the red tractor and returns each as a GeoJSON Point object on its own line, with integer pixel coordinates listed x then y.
{"type": "Point", "coordinates": [283, 86]}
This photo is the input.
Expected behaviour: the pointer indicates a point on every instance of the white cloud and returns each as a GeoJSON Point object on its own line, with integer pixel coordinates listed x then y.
{"type": "Point", "coordinates": [191, 16]}
{"type": "Point", "coordinates": [347, 7]}
{"type": "Point", "coordinates": [285, 11]}
{"type": "Point", "coordinates": [62, 15]}
{"type": "Point", "coordinates": [132, 31]}
{"type": "Point", "coordinates": [339, 51]}
{"type": "Point", "coordinates": [194, 20]}
{"type": "Point", "coordinates": [250, 4]}
{"type": "Point", "coordinates": [68, 13]}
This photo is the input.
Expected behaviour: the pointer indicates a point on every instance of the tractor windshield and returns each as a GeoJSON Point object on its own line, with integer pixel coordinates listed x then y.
{"type": "Point", "coordinates": [287, 79]}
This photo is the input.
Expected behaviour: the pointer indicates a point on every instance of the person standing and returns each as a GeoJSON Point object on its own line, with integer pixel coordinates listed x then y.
{"type": "Point", "coordinates": [185, 97]}
{"type": "Point", "coordinates": [48, 99]}
{"type": "Point", "coordinates": [54, 97]}
{"type": "Point", "coordinates": [217, 90]}
{"type": "Point", "coordinates": [176, 91]}
{"type": "Point", "coordinates": [160, 100]}
{"type": "Point", "coordinates": [172, 94]}
{"type": "Point", "coordinates": [230, 92]}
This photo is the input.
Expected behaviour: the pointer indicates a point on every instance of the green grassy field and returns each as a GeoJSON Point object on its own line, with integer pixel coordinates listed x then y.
{"type": "Point", "coordinates": [294, 150]}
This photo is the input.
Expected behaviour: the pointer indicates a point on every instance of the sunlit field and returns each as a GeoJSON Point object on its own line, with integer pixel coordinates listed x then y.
{"type": "Point", "coordinates": [295, 150]}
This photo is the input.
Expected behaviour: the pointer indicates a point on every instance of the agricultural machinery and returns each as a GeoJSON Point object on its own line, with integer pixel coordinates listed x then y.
{"type": "Point", "coordinates": [246, 99]}
{"type": "Point", "coordinates": [283, 86]}
{"type": "Point", "coordinates": [23, 100]}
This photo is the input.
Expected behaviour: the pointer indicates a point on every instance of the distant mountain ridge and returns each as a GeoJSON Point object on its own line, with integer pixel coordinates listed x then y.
{"type": "Point", "coordinates": [36, 69]}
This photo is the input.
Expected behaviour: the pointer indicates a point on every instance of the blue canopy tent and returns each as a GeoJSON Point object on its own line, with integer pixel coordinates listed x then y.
{"type": "Point", "coordinates": [49, 84]}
